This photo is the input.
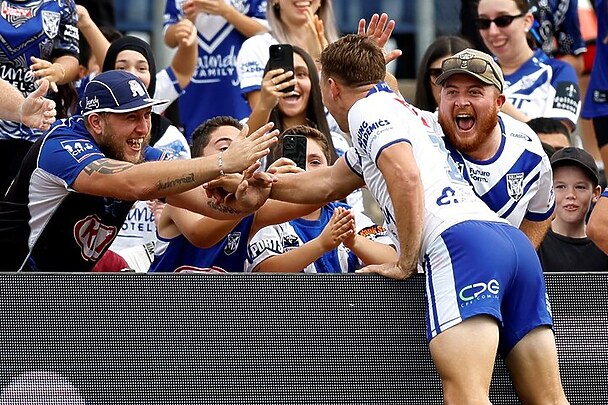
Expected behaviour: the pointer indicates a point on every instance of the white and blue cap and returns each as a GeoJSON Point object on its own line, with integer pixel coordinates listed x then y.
{"type": "Point", "coordinates": [116, 91]}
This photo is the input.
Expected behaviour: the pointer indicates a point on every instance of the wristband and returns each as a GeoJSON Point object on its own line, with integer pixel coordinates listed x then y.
{"type": "Point", "coordinates": [220, 163]}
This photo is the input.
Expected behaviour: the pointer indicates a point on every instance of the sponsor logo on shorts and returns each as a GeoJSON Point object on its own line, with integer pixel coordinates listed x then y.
{"type": "Point", "coordinates": [479, 291]}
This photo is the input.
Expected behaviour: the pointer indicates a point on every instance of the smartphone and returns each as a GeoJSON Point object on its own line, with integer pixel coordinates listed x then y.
{"type": "Point", "coordinates": [294, 148]}
{"type": "Point", "coordinates": [281, 56]}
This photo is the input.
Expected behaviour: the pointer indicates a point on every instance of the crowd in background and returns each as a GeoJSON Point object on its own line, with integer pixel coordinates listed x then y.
{"type": "Point", "coordinates": [219, 79]}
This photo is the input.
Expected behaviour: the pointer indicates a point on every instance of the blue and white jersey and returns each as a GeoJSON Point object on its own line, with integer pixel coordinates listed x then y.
{"type": "Point", "coordinates": [277, 239]}
{"type": "Point", "coordinates": [167, 88]}
{"type": "Point", "coordinates": [545, 87]}
{"type": "Point", "coordinates": [558, 22]}
{"type": "Point", "coordinates": [214, 89]}
{"type": "Point", "coordinates": [596, 97]}
{"type": "Point", "coordinates": [382, 119]}
{"type": "Point", "coordinates": [517, 182]}
{"type": "Point", "coordinates": [229, 254]}
{"type": "Point", "coordinates": [45, 29]}
{"type": "Point", "coordinates": [43, 219]}
{"type": "Point", "coordinates": [252, 60]}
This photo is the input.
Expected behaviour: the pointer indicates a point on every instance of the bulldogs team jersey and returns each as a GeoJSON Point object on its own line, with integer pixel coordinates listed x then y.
{"type": "Point", "coordinates": [545, 87]}
{"type": "Point", "coordinates": [214, 89]}
{"type": "Point", "coordinates": [252, 60]}
{"type": "Point", "coordinates": [44, 29]}
{"type": "Point", "coordinates": [559, 20]}
{"type": "Point", "coordinates": [277, 239]}
{"type": "Point", "coordinates": [596, 97]}
{"type": "Point", "coordinates": [517, 182]}
{"type": "Point", "coordinates": [229, 254]}
{"type": "Point", "coordinates": [382, 119]}
{"type": "Point", "coordinates": [63, 230]}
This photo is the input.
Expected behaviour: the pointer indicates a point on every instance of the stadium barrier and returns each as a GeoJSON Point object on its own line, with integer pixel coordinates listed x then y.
{"type": "Point", "coordinates": [257, 339]}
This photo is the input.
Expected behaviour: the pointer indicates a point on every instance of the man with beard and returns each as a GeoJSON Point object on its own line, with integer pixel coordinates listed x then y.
{"type": "Point", "coordinates": [77, 183]}
{"type": "Point", "coordinates": [501, 157]}
{"type": "Point", "coordinates": [484, 280]}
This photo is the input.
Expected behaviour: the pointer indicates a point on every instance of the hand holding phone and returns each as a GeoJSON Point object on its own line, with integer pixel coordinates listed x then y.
{"type": "Point", "coordinates": [281, 56]}
{"type": "Point", "coordinates": [294, 148]}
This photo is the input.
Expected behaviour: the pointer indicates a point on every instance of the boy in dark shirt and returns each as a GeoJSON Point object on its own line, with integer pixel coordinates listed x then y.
{"type": "Point", "coordinates": [566, 246]}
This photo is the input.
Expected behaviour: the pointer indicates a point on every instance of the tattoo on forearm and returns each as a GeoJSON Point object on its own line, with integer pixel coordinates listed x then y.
{"type": "Point", "coordinates": [106, 166]}
{"type": "Point", "coordinates": [222, 208]}
{"type": "Point", "coordinates": [187, 179]}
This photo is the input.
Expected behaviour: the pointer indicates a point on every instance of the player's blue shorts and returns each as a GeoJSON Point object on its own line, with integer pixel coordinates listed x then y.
{"type": "Point", "coordinates": [490, 268]}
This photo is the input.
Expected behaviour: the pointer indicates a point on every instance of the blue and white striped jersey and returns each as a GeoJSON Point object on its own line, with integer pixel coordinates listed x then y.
{"type": "Point", "coordinates": [517, 182]}
{"type": "Point", "coordinates": [545, 87]}
{"type": "Point", "coordinates": [44, 29]}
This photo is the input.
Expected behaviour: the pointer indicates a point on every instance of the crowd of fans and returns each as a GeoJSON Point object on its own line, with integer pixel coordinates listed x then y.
{"type": "Point", "coordinates": [220, 77]}
{"type": "Point", "coordinates": [488, 146]}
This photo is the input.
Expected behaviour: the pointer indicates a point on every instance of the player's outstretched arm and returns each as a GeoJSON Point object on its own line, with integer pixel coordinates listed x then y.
{"type": "Point", "coordinates": [319, 186]}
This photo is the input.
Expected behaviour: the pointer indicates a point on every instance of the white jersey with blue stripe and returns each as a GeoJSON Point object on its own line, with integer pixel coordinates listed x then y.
{"type": "Point", "coordinates": [545, 87]}
{"type": "Point", "coordinates": [382, 119]}
{"type": "Point", "coordinates": [517, 182]}
{"type": "Point", "coordinates": [44, 29]}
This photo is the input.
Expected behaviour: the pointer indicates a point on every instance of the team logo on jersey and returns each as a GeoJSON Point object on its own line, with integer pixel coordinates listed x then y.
{"type": "Point", "coordinates": [232, 243]}
{"type": "Point", "coordinates": [79, 149]}
{"type": "Point", "coordinates": [290, 242]}
{"type": "Point", "coordinates": [136, 89]}
{"type": "Point", "coordinates": [93, 237]}
{"type": "Point", "coordinates": [515, 185]}
{"type": "Point", "coordinates": [50, 22]}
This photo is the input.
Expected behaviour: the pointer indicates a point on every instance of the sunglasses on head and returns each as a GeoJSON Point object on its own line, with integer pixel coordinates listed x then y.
{"type": "Point", "coordinates": [501, 21]}
{"type": "Point", "coordinates": [474, 65]}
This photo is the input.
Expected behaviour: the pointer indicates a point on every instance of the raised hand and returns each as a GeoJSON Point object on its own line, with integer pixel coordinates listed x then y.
{"type": "Point", "coordinates": [185, 33]}
{"type": "Point", "coordinates": [272, 84]}
{"type": "Point", "coordinates": [246, 150]}
{"type": "Point", "coordinates": [43, 69]}
{"type": "Point", "coordinates": [37, 111]}
{"type": "Point", "coordinates": [338, 229]}
{"type": "Point", "coordinates": [315, 40]}
{"type": "Point", "coordinates": [380, 29]}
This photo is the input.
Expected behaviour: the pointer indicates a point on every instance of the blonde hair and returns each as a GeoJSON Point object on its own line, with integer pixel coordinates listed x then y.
{"type": "Point", "coordinates": [277, 26]}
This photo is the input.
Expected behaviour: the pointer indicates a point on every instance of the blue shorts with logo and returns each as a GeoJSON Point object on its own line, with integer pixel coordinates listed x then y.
{"type": "Point", "coordinates": [490, 268]}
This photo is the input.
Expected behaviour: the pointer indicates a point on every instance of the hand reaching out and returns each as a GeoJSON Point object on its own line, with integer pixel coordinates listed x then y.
{"type": "Point", "coordinates": [37, 111]}
{"type": "Point", "coordinates": [380, 29]}
{"type": "Point", "coordinates": [245, 150]}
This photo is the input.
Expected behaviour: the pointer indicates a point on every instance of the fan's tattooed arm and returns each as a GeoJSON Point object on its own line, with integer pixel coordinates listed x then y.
{"type": "Point", "coordinates": [107, 166]}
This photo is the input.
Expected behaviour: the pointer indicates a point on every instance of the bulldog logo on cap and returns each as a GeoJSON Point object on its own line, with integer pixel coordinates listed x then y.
{"type": "Point", "coordinates": [136, 88]}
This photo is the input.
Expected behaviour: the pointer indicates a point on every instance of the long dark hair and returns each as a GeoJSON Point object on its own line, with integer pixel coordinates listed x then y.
{"type": "Point", "coordinates": [443, 46]}
{"type": "Point", "coordinates": [315, 112]}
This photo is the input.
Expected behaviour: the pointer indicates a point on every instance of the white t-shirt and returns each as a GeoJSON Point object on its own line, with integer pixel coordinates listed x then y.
{"type": "Point", "coordinates": [251, 61]}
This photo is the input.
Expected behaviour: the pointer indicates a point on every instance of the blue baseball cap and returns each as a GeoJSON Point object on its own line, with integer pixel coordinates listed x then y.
{"type": "Point", "coordinates": [116, 91]}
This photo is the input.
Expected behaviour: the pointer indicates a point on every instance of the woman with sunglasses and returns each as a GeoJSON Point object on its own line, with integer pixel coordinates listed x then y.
{"type": "Point", "coordinates": [536, 85]}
